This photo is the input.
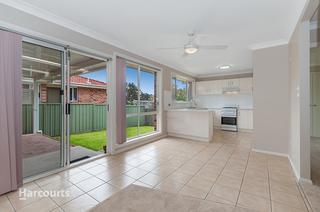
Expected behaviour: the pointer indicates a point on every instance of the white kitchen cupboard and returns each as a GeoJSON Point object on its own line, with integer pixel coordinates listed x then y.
{"type": "Point", "coordinates": [217, 87]}
{"type": "Point", "coordinates": [231, 84]}
{"type": "Point", "coordinates": [209, 87]}
{"type": "Point", "coordinates": [246, 85]}
{"type": "Point", "coordinates": [245, 119]}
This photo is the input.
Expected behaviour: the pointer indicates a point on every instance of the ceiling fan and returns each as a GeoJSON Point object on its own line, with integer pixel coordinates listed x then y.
{"type": "Point", "coordinates": [193, 47]}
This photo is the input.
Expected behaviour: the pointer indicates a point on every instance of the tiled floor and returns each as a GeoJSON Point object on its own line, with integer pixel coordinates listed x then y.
{"type": "Point", "coordinates": [225, 171]}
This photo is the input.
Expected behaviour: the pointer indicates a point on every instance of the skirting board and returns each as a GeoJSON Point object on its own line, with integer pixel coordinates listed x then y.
{"type": "Point", "coordinates": [189, 137]}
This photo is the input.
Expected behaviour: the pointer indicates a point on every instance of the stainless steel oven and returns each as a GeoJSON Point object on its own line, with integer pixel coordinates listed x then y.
{"type": "Point", "coordinates": [229, 119]}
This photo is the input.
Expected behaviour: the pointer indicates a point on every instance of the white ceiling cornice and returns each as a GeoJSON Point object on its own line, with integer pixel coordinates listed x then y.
{"type": "Point", "coordinates": [268, 44]}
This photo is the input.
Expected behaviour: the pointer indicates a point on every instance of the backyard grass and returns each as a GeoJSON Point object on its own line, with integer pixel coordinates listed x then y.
{"type": "Point", "coordinates": [96, 140]}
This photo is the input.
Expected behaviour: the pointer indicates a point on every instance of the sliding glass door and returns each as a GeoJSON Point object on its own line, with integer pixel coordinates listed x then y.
{"type": "Point", "coordinates": [87, 106]}
{"type": "Point", "coordinates": [64, 106]}
{"type": "Point", "coordinates": [142, 112]}
{"type": "Point", "coordinates": [42, 107]}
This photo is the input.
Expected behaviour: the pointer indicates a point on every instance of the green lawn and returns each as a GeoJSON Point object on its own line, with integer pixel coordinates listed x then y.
{"type": "Point", "coordinates": [96, 140]}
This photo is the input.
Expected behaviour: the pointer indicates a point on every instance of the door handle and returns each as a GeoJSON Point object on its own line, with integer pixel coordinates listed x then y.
{"type": "Point", "coordinates": [313, 105]}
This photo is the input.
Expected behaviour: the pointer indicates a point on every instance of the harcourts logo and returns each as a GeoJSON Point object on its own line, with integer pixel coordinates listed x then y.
{"type": "Point", "coordinates": [26, 193]}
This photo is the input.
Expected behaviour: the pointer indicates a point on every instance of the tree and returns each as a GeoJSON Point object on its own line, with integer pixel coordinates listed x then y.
{"type": "Point", "coordinates": [132, 93]}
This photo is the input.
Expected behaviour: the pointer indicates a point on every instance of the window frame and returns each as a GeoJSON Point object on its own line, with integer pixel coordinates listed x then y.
{"type": "Point", "coordinates": [189, 89]}
{"type": "Point", "coordinates": [72, 94]}
{"type": "Point", "coordinates": [145, 68]}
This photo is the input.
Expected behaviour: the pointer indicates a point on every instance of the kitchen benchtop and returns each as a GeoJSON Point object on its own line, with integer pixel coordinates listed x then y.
{"type": "Point", "coordinates": [201, 110]}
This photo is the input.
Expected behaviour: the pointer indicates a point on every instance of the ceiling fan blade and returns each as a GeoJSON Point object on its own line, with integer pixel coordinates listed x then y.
{"type": "Point", "coordinates": [170, 48]}
{"type": "Point", "coordinates": [214, 47]}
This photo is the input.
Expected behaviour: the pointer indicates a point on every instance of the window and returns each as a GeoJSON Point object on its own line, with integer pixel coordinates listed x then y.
{"type": "Point", "coordinates": [181, 90]}
{"type": "Point", "coordinates": [73, 94]}
{"type": "Point", "coordinates": [142, 112]}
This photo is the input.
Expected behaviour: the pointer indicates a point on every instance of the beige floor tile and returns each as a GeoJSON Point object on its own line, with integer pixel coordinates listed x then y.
{"type": "Point", "coordinates": [288, 199]}
{"type": "Point", "coordinates": [291, 188]}
{"type": "Point", "coordinates": [57, 185]}
{"type": "Point", "coordinates": [169, 186]}
{"type": "Point", "coordinates": [76, 178]}
{"type": "Point", "coordinates": [89, 184]}
{"type": "Point", "coordinates": [180, 177]}
{"type": "Point", "coordinates": [43, 205]}
{"type": "Point", "coordinates": [206, 206]}
{"type": "Point", "coordinates": [5, 204]}
{"type": "Point", "coordinates": [82, 203]}
{"type": "Point", "coordinates": [49, 179]}
{"type": "Point", "coordinates": [73, 192]}
{"type": "Point", "coordinates": [147, 166]}
{"type": "Point", "coordinates": [87, 166]}
{"type": "Point", "coordinates": [103, 192]}
{"type": "Point", "coordinates": [261, 191]}
{"type": "Point", "coordinates": [151, 179]}
{"type": "Point", "coordinates": [70, 172]}
{"type": "Point", "coordinates": [107, 176]}
{"type": "Point", "coordinates": [200, 183]}
{"type": "Point", "coordinates": [136, 173]}
{"type": "Point", "coordinates": [254, 202]}
{"type": "Point", "coordinates": [229, 181]}
{"type": "Point", "coordinates": [163, 171]}
{"type": "Point", "coordinates": [223, 194]}
{"type": "Point", "coordinates": [121, 181]}
{"type": "Point", "coordinates": [97, 169]}
{"type": "Point", "coordinates": [279, 207]}
{"type": "Point", "coordinates": [193, 192]}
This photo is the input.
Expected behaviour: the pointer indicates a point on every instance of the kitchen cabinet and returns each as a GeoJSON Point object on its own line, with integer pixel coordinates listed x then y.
{"type": "Point", "coordinates": [217, 118]}
{"type": "Point", "coordinates": [245, 119]}
{"type": "Point", "coordinates": [218, 87]}
{"type": "Point", "coordinates": [231, 84]}
{"type": "Point", "coordinates": [209, 88]}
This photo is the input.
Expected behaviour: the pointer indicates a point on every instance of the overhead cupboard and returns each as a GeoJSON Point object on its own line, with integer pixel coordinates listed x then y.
{"type": "Point", "coordinates": [219, 87]}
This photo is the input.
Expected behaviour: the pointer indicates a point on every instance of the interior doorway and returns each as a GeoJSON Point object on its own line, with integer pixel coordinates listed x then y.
{"type": "Point", "coordinates": [315, 98]}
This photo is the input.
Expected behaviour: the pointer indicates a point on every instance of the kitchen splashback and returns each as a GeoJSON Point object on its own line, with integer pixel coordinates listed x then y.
{"type": "Point", "coordinates": [219, 101]}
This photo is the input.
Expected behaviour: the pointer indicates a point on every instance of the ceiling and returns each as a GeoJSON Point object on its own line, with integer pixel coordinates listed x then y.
{"type": "Point", "coordinates": [142, 26]}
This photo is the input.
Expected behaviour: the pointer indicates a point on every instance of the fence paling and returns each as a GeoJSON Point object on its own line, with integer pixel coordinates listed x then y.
{"type": "Point", "coordinates": [83, 118]}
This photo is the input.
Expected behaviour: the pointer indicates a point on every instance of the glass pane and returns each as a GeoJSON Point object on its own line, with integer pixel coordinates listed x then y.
{"type": "Point", "coordinates": [148, 87]}
{"type": "Point", "coordinates": [132, 126]}
{"type": "Point", "coordinates": [132, 101]}
{"type": "Point", "coordinates": [181, 90]}
{"type": "Point", "coordinates": [148, 124]}
{"type": "Point", "coordinates": [88, 112]}
{"type": "Point", "coordinates": [41, 109]}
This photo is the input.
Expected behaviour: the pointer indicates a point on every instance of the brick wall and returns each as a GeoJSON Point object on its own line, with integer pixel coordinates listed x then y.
{"type": "Point", "coordinates": [92, 95]}
{"type": "Point", "coordinates": [43, 93]}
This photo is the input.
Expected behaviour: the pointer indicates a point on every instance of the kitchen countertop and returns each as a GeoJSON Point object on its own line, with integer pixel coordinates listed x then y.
{"type": "Point", "coordinates": [189, 110]}
{"type": "Point", "coordinates": [202, 109]}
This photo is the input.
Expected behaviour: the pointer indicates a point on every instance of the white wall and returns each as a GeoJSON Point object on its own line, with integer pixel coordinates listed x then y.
{"type": "Point", "coordinates": [271, 99]}
{"type": "Point", "coordinates": [219, 101]}
{"type": "Point", "coordinates": [299, 143]}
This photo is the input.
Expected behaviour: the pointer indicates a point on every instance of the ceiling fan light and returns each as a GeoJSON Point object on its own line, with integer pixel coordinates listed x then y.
{"type": "Point", "coordinates": [191, 49]}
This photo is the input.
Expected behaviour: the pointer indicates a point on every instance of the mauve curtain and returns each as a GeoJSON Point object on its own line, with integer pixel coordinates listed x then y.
{"type": "Point", "coordinates": [121, 99]}
{"type": "Point", "coordinates": [10, 111]}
